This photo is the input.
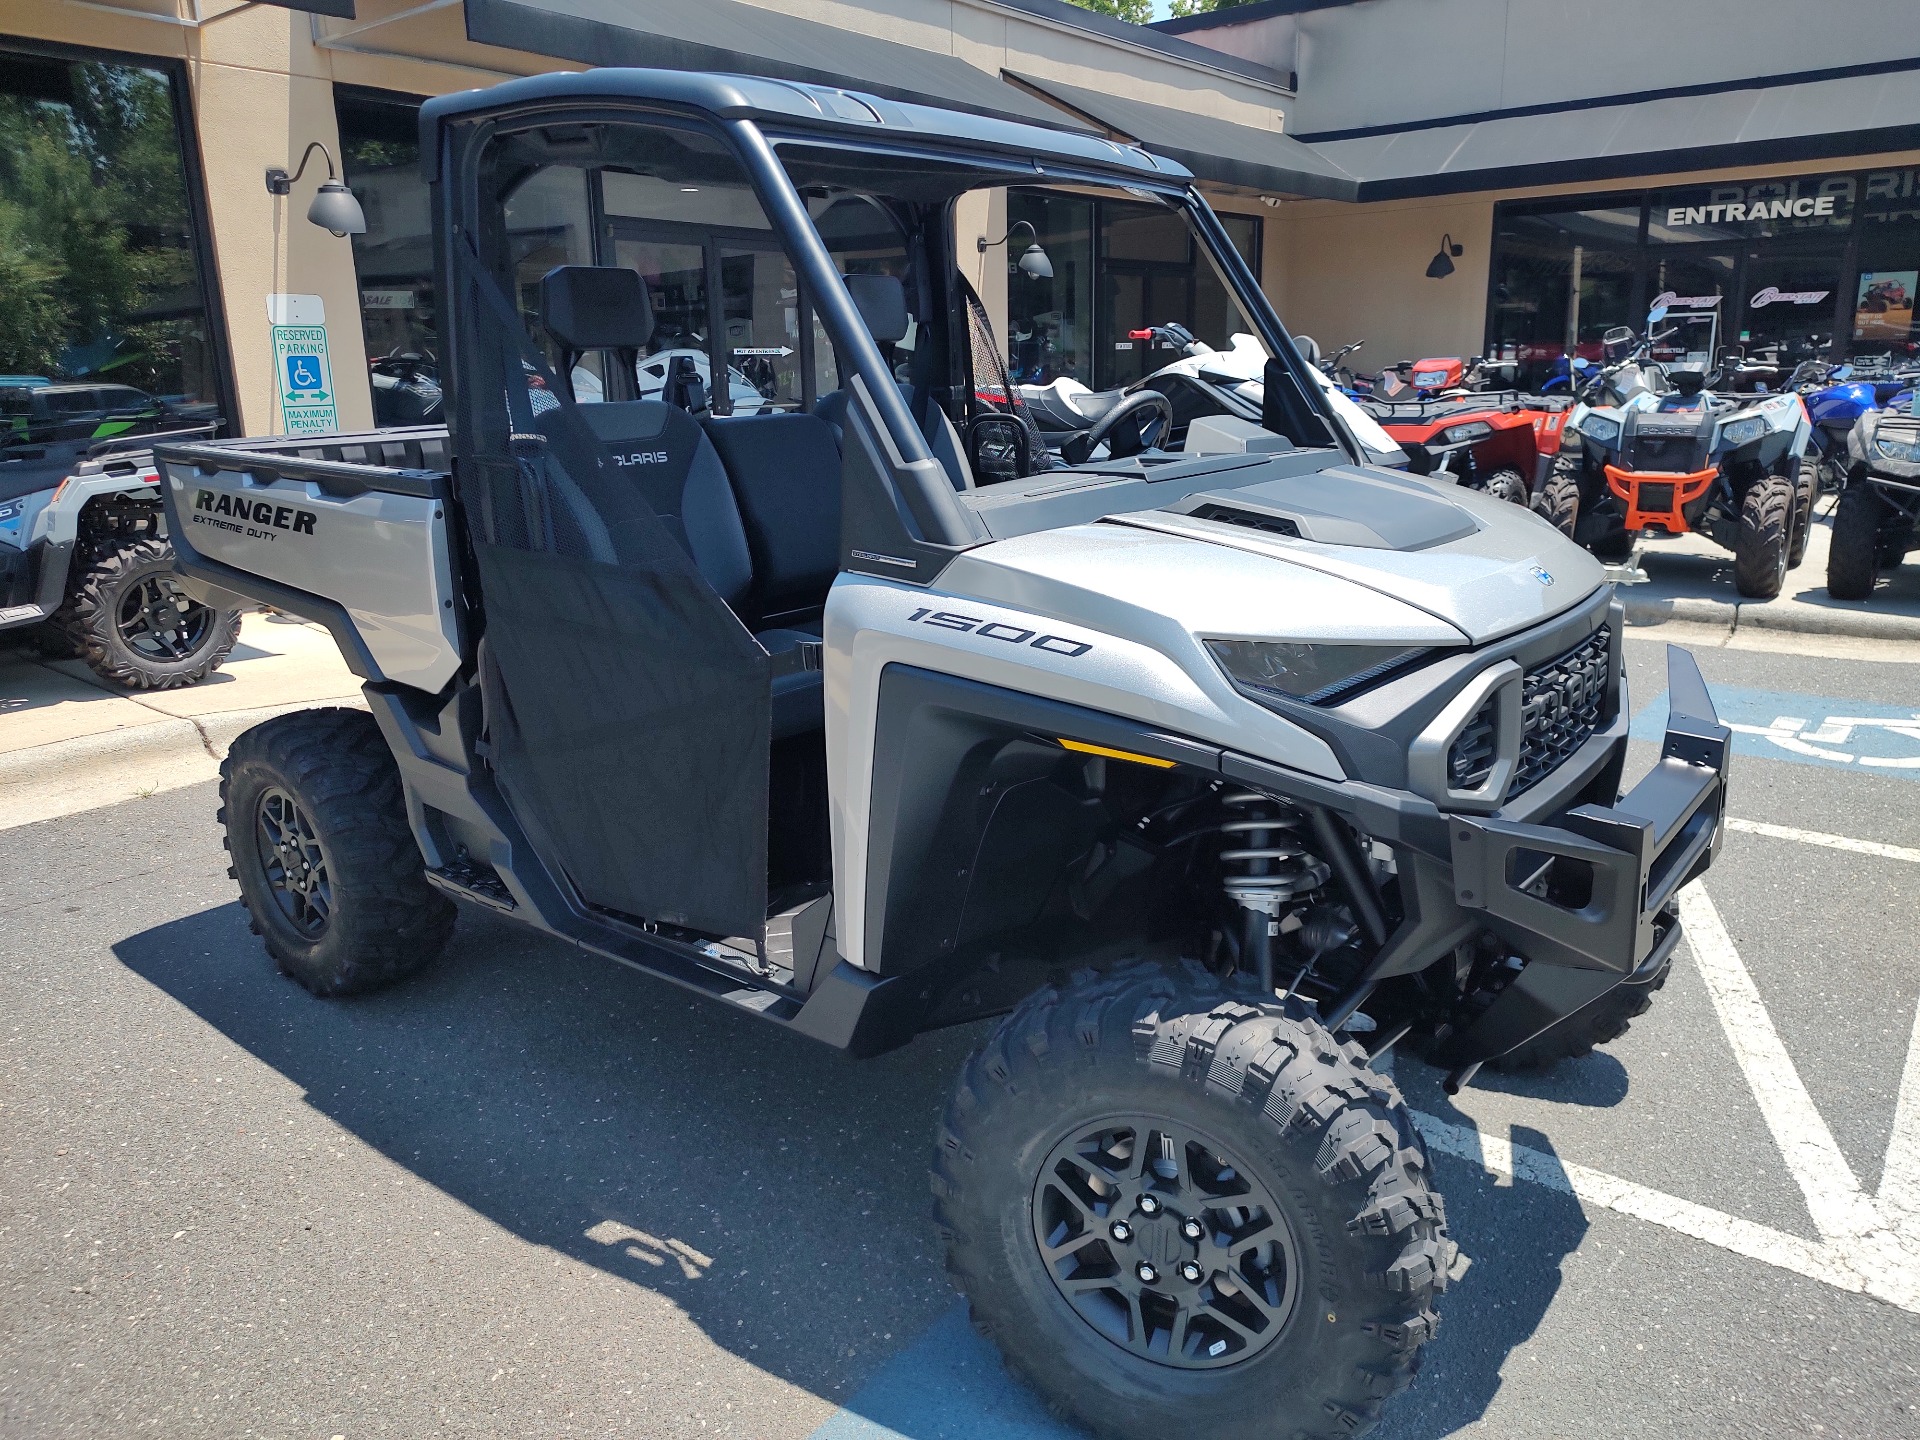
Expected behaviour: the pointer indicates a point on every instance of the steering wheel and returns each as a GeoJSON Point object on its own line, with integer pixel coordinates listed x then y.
{"type": "Point", "coordinates": [1123, 428]}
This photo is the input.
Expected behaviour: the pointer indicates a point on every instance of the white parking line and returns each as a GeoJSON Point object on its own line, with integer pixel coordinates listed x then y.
{"type": "Point", "coordinates": [1501, 1157]}
{"type": "Point", "coordinates": [1834, 1198]}
{"type": "Point", "coordinates": [1868, 1246]}
{"type": "Point", "coordinates": [1830, 842]}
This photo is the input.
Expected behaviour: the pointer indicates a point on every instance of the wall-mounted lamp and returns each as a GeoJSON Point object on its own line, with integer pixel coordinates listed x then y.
{"type": "Point", "coordinates": [1033, 260]}
{"type": "Point", "coordinates": [333, 207]}
{"type": "Point", "coordinates": [1441, 265]}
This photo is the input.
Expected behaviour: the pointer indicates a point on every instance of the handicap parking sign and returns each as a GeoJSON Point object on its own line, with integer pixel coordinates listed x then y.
{"type": "Point", "coordinates": [303, 374]}
{"type": "Point", "coordinates": [307, 404]}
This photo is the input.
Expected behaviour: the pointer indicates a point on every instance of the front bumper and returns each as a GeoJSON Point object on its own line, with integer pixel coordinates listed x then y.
{"type": "Point", "coordinates": [1655, 497]}
{"type": "Point", "coordinates": [1589, 902]}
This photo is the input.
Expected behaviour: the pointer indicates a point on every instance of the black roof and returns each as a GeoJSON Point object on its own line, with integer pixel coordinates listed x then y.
{"type": "Point", "coordinates": [789, 105]}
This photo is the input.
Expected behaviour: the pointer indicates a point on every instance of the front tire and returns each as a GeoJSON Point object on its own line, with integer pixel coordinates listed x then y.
{"type": "Point", "coordinates": [1508, 484]}
{"type": "Point", "coordinates": [1806, 489]}
{"type": "Point", "coordinates": [1600, 1022]}
{"type": "Point", "coordinates": [1559, 500]}
{"type": "Point", "coordinates": [1855, 550]}
{"type": "Point", "coordinates": [1760, 551]}
{"type": "Point", "coordinates": [329, 872]}
{"type": "Point", "coordinates": [1104, 1124]}
{"type": "Point", "coordinates": [128, 618]}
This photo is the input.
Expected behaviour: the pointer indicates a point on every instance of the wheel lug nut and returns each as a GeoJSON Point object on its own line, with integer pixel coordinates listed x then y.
{"type": "Point", "coordinates": [1146, 1272]}
{"type": "Point", "coordinates": [1190, 1273]}
{"type": "Point", "coordinates": [1149, 1205]}
{"type": "Point", "coordinates": [1192, 1230]}
{"type": "Point", "coordinates": [1121, 1231]}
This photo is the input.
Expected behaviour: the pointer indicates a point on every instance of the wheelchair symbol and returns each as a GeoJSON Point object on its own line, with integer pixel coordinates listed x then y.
{"type": "Point", "coordinates": [303, 372]}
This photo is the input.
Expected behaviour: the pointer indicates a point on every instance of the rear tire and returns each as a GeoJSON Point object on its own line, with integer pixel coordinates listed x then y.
{"type": "Point", "coordinates": [1760, 552]}
{"type": "Point", "coordinates": [1508, 484]}
{"type": "Point", "coordinates": [1574, 1036]}
{"type": "Point", "coordinates": [1806, 489]}
{"type": "Point", "coordinates": [131, 622]}
{"type": "Point", "coordinates": [1317, 1150]}
{"type": "Point", "coordinates": [1855, 550]}
{"type": "Point", "coordinates": [1558, 502]}
{"type": "Point", "coordinates": [329, 872]}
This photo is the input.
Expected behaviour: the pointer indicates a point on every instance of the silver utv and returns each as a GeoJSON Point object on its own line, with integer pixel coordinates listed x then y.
{"type": "Point", "coordinates": [1208, 773]}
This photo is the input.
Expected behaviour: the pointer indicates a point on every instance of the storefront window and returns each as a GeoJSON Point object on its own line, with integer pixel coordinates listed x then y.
{"type": "Point", "coordinates": [380, 152]}
{"type": "Point", "coordinates": [1051, 321]}
{"type": "Point", "coordinates": [104, 329]}
{"type": "Point", "coordinates": [1776, 269]}
{"type": "Point", "coordinates": [1562, 278]}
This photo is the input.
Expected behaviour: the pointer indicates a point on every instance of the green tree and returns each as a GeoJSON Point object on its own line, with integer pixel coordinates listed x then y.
{"type": "Point", "coordinates": [1138, 11]}
{"type": "Point", "coordinates": [1180, 9]}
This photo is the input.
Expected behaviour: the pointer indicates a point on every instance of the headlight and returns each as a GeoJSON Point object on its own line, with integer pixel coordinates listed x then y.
{"type": "Point", "coordinates": [1739, 432]}
{"type": "Point", "coordinates": [1907, 452]}
{"type": "Point", "coordinates": [1460, 434]}
{"type": "Point", "coordinates": [1600, 430]}
{"type": "Point", "coordinates": [1316, 674]}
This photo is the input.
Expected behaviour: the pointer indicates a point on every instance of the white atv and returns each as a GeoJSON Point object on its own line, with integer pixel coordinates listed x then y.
{"type": "Point", "coordinates": [86, 570]}
{"type": "Point", "coordinates": [1207, 774]}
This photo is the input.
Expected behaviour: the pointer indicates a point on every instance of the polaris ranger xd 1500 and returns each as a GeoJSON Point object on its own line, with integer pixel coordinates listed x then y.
{"type": "Point", "coordinates": [1214, 773]}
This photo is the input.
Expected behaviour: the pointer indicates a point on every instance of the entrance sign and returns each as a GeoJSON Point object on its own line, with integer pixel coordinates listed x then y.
{"type": "Point", "coordinates": [301, 365]}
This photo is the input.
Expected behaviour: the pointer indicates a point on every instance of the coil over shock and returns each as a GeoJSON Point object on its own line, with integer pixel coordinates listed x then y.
{"type": "Point", "coordinates": [1266, 868]}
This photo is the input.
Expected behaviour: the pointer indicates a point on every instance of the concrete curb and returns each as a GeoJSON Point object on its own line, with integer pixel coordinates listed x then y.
{"type": "Point", "coordinates": [1770, 615]}
{"type": "Point", "coordinates": [64, 777]}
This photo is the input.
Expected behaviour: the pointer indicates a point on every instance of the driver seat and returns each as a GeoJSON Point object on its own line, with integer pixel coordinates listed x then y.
{"type": "Point", "coordinates": [882, 303]}
{"type": "Point", "coordinates": [669, 459]}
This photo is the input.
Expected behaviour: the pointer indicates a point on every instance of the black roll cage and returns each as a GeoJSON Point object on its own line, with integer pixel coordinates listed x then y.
{"type": "Point", "coordinates": [934, 508]}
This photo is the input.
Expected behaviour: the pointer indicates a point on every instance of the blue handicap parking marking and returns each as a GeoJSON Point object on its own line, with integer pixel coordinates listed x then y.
{"type": "Point", "coordinates": [947, 1385]}
{"type": "Point", "coordinates": [303, 372]}
{"type": "Point", "coordinates": [1808, 729]}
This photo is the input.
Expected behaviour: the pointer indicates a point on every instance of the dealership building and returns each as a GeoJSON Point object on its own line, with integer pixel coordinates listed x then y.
{"type": "Point", "coordinates": [1508, 177]}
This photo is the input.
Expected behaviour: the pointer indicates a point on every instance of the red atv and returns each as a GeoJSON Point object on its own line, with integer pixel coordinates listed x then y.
{"type": "Point", "coordinates": [1500, 441]}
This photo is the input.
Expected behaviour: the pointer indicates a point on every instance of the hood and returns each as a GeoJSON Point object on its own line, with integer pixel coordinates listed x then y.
{"type": "Point", "coordinates": [1485, 567]}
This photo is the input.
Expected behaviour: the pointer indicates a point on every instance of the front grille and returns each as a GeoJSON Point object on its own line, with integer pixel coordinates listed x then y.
{"type": "Point", "coordinates": [1655, 498]}
{"type": "Point", "coordinates": [1562, 703]}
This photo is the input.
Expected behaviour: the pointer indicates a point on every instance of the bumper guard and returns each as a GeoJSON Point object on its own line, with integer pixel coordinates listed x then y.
{"type": "Point", "coordinates": [1589, 902]}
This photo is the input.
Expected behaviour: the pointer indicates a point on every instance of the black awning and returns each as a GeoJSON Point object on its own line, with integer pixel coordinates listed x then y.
{"type": "Point", "coordinates": [1754, 125]}
{"type": "Point", "coordinates": [741, 39]}
{"type": "Point", "coordinates": [1212, 149]}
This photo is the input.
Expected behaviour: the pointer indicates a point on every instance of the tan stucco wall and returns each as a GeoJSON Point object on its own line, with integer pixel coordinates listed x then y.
{"type": "Point", "coordinates": [260, 90]}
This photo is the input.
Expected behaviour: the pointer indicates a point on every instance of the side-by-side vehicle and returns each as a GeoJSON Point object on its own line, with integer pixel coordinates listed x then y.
{"type": "Point", "coordinates": [1215, 771]}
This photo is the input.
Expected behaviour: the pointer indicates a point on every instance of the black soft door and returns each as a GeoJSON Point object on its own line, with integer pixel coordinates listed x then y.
{"type": "Point", "coordinates": [627, 707]}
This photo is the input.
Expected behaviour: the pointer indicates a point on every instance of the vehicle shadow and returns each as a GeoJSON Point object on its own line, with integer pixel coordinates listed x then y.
{"type": "Point", "coordinates": [773, 1188]}
{"type": "Point", "coordinates": [1596, 1081]}
{"type": "Point", "coordinates": [1516, 1237]}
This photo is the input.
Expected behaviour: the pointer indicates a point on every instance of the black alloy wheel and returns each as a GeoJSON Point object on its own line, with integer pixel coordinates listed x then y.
{"type": "Point", "coordinates": [159, 621]}
{"type": "Point", "coordinates": [295, 863]}
{"type": "Point", "coordinates": [1163, 1243]}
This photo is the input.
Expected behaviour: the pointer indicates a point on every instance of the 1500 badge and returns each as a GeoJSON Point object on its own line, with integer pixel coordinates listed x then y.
{"type": "Point", "coordinates": [261, 517]}
{"type": "Point", "coordinates": [1000, 630]}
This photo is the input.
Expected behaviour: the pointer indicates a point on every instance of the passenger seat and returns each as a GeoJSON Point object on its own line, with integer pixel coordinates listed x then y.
{"type": "Point", "coordinates": [882, 303]}
{"type": "Point", "coordinates": [680, 473]}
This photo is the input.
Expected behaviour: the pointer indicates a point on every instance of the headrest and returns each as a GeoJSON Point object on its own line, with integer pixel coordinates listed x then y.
{"type": "Point", "coordinates": [596, 307]}
{"type": "Point", "coordinates": [882, 303]}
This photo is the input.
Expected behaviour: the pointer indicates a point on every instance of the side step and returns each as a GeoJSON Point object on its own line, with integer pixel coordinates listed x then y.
{"type": "Point", "coordinates": [477, 883]}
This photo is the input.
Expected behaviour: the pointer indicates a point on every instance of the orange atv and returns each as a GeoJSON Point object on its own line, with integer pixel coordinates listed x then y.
{"type": "Point", "coordinates": [1501, 441]}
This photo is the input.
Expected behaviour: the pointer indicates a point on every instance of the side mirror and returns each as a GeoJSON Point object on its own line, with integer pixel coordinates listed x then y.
{"type": "Point", "coordinates": [999, 447]}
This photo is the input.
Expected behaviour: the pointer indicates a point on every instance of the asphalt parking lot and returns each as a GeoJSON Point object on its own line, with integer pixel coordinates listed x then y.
{"type": "Point", "coordinates": [530, 1193]}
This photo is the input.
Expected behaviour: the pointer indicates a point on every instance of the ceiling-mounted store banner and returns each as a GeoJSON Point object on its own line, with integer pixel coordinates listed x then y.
{"type": "Point", "coordinates": [1752, 208]}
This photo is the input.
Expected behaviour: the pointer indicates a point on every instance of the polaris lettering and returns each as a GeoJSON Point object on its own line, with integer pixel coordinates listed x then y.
{"type": "Point", "coordinates": [264, 516]}
{"type": "Point", "coordinates": [998, 630]}
{"type": "Point", "coordinates": [642, 457]}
